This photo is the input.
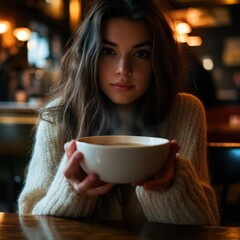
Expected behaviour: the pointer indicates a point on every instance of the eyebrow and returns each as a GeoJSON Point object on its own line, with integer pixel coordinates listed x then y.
{"type": "Point", "coordinates": [134, 46]}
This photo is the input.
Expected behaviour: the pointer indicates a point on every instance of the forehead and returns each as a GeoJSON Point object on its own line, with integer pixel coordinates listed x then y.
{"type": "Point", "coordinates": [119, 28]}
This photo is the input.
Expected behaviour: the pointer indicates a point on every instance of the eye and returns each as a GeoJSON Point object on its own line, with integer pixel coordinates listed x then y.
{"type": "Point", "coordinates": [145, 54]}
{"type": "Point", "coordinates": [107, 51]}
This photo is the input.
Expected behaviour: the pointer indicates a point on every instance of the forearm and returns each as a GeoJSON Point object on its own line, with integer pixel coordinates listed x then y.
{"type": "Point", "coordinates": [54, 198]}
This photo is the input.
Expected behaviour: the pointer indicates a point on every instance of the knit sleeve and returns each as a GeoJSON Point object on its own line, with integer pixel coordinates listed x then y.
{"type": "Point", "coordinates": [46, 190]}
{"type": "Point", "coordinates": [191, 199]}
{"type": "Point", "coordinates": [188, 201]}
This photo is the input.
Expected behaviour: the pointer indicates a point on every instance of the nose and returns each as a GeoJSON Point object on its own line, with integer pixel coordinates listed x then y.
{"type": "Point", "coordinates": [124, 67]}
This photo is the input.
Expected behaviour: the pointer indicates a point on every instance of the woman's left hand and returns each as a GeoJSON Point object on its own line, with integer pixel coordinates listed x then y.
{"type": "Point", "coordinates": [163, 180]}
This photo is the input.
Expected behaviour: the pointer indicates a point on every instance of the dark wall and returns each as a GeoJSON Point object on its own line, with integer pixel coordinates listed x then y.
{"type": "Point", "coordinates": [214, 45]}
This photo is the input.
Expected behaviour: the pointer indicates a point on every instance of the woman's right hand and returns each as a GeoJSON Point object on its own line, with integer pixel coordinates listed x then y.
{"type": "Point", "coordinates": [83, 183]}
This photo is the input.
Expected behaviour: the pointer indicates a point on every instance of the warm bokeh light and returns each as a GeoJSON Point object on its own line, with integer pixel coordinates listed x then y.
{"type": "Point", "coordinates": [181, 30]}
{"type": "Point", "coordinates": [207, 63]}
{"type": "Point", "coordinates": [183, 27]}
{"type": "Point", "coordinates": [193, 15]}
{"type": "Point", "coordinates": [7, 40]}
{"type": "Point", "coordinates": [205, 17]}
{"type": "Point", "coordinates": [182, 38]}
{"type": "Point", "coordinates": [194, 41]}
{"type": "Point", "coordinates": [74, 13]}
{"type": "Point", "coordinates": [54, 8]}
{"type": "Point", "coordinates": [22, 34]}
{"type": "Point", "coordinates": [1, 217]}
{"type": "Point", "coordinates": [230, 1]}
{"type": "Point", "coordinates": [4, 26]}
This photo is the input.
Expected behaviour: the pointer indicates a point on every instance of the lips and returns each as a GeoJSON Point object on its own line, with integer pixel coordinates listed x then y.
{"type": "Point", "coordinates": [122, 86]}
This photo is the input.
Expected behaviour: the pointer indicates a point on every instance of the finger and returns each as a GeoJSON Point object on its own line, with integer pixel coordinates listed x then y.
{"type": "Point", "coordinates": [88, 186]}
{"type": "Point", "coordinates": [89, 182]}
{"type": "Point", "coordinates": [100, 190]}
{"type": "Point", "coordinates": [163, 183]}
{"type": "Point", "coordinates": [69, 148]}
{"type": "Point", "coordinates": [174, 148]}
{"type": "Point", "coordinates": [164, 178]}
{"type": "Point", "coordinates": [73, 164]}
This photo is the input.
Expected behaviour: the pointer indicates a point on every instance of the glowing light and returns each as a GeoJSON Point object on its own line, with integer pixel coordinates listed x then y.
{"type": "Point", "coordinates": [182, 38]}
{"type": "Point", "coordinates": [22, 34]}
{"type": "Point", "coordinates": [183, 27]}
{"type": "Point", "coordinates": [231, 1]}
{"type": "Point", "coordinates": [194, 41]}
{"type": "Point", "coordinates": [1, 217]}
{"type": "Point", "coordinates": [74, 13]}
{"type": "Point", "coordinates": [208, 64]}
{"type": "Point", "coordinates": [4, 26]}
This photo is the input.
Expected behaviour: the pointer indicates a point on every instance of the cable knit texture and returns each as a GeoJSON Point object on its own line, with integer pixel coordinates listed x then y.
{"type": "Point", "coordinates": [190, 200]}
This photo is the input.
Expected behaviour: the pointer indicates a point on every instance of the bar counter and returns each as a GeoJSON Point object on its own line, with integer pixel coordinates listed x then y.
{"type": "Point", "coordinates": [16, 123]}
{"type": "Point", "coordinates": [17, 107]}
{"type": "Point", "coordinates": [14, 226]}
{"type": "Point", "coordinates": [223, 123]}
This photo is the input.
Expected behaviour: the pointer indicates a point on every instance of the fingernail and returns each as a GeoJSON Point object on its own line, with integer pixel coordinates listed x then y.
{"type": "Point", "coordinates": [66, 145]}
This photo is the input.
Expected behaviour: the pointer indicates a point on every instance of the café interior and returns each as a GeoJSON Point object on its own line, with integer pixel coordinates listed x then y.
{"type": "Point", "coordinates": [33, 34]}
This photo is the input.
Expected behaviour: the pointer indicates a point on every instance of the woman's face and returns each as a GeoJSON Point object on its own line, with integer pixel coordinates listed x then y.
{"type": "Point", "coordinates": [125, 66]}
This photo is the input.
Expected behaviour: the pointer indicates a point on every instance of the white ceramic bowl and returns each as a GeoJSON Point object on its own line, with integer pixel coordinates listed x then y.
{"type": "Point", "coordinates": [123, 159]}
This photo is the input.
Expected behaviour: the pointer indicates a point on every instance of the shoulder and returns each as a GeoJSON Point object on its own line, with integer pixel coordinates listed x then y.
{"type": "Point", "coordinates": [50, 110]}
{"type": "Point", "coordinates": [53, 103]}
{"type": "Point", "coordinates": [189, 101]}
{"type": "Point", "coordinates": [188, 98]}
{"type": "Point", "coordinates": [188, 107]}
{"type": "Point", "coordinates": [49, 113]}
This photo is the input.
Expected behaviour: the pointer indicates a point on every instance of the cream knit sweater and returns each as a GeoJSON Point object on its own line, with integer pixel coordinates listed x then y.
{"type": "Point", "coordinates": [190, 200]}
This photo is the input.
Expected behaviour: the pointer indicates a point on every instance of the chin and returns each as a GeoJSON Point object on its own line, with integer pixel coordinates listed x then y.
{"type": "Point", "coordinates": [123, 102]}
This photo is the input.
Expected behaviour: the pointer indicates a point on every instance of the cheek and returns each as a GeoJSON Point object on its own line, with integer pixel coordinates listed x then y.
{"type": "Point", "coordinates": [100, 69]}
{"type": "Point", "coordinates": [104, 76]}
{"type": "Point", "coordinates": [101, 73]}
{"type": "Point", "coordinates": [105, 68]}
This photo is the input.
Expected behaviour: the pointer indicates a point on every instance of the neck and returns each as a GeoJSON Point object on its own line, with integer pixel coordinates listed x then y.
{"type": "Point", "coordinates": [125, 111]}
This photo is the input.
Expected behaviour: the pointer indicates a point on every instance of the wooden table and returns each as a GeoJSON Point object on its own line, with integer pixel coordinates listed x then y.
{"type": "Point", "coordinates": [13, 226]}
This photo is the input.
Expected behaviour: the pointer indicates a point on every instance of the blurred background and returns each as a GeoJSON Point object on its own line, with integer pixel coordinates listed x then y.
{"type": "Point", "coordinates": [33, 34]}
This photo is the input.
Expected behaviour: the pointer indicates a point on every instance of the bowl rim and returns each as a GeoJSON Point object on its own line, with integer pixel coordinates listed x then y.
{"type": "Point", "coordinates": [165, 141]}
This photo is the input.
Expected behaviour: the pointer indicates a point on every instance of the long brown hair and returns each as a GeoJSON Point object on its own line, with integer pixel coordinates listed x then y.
{"type": "Point", "coordinates": [81, 106]}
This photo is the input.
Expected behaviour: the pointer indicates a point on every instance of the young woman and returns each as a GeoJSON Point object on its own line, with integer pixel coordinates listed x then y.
{"type": "Point", "coordinates": [121, 75]}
